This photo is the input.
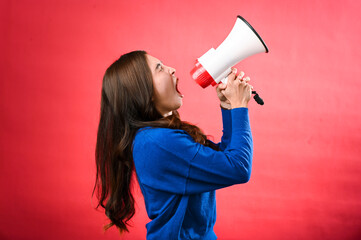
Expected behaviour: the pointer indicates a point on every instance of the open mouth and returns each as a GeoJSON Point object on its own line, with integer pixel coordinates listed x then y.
{"type": "Point", "coordinates": [176, 88]}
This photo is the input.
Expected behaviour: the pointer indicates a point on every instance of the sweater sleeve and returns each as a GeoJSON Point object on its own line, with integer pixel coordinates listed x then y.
{"type": "Point", "coordinates": [227, 129]}
{"type": "Point", "coordinates": [169, 160]}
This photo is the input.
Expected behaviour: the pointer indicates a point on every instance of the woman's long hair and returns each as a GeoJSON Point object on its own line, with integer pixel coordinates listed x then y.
{"type": "Point", "coordinates": [126, 106]}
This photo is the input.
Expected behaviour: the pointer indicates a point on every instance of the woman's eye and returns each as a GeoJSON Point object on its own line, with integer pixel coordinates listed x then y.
{"type": "Point", "coordinates": [160, 67]}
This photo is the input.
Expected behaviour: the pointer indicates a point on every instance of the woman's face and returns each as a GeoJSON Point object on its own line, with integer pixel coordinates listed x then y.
{"type": "Point", "coordinates": [166, 95]}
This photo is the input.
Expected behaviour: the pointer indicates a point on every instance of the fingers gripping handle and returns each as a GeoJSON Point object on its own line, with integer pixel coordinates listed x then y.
{"type": "Point", "coordinates": [256, 97]}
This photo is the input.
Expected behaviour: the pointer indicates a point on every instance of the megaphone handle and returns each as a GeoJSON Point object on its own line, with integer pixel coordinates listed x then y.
{"type": "Point", "coordinates": [257, 98]}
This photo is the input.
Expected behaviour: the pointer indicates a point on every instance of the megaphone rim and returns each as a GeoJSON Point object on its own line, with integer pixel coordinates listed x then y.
{"type": "Point", "coordinates": [255, 32]}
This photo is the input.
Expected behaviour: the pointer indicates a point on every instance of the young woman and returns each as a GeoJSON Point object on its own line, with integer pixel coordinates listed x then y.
{"type": "Point", "coordinates": [177, 167]}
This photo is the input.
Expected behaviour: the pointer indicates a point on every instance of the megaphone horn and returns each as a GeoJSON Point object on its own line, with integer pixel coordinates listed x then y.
{"type": "Point", "coordinates": [215, 65]}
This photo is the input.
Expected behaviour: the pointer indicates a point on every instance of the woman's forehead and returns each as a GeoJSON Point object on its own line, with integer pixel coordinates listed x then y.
{"type": "Point", "coordinates": [153, 60]}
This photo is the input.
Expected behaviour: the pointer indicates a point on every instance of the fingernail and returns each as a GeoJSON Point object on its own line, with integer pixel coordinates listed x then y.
{"type": "Point", "coordinates": [234, 70]}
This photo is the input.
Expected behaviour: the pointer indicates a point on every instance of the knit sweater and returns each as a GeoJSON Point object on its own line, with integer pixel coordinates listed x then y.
{"type": "Point", "coordinates": [178, 177]}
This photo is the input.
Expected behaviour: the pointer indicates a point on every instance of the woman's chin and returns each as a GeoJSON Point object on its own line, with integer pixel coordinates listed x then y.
{"type": "Point", "coordinates": [180, 103]}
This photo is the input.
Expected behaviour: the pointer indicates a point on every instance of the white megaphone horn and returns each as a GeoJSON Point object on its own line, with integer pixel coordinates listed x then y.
{"type": "Point", "coordinates": [215, 65]}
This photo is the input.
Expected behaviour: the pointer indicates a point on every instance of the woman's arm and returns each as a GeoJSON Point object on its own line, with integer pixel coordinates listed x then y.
{"type": "Point", "coordinates": [170, 160]}
{"type": "Point", "coordinates": [213, 170]}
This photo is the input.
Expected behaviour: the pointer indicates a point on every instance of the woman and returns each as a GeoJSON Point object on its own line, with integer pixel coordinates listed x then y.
{"type": "Point", "coordinates": [177, 167]}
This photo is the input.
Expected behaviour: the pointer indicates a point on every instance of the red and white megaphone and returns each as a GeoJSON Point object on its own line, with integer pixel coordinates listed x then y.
{"type": "Point", "coordinates": [215, 65]}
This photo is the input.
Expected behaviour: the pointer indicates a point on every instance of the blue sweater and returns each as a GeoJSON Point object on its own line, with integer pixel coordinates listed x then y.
{"type": "Point", "coordinates": [178, 177]}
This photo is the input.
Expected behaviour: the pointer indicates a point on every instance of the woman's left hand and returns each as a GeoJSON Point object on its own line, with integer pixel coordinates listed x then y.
{"type": "Point", "coordinates": [224, 102]}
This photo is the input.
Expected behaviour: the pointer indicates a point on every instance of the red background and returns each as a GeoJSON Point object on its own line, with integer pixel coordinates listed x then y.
{"type": "Point", "coordinates": [306, 177]}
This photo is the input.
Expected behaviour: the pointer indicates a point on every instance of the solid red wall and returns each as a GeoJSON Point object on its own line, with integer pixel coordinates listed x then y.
{"type": "Point", "coordinates": [307, 136]}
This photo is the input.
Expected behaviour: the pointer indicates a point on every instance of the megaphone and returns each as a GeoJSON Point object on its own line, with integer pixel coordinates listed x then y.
{"type": "Point", "coordinates": [215, 65]}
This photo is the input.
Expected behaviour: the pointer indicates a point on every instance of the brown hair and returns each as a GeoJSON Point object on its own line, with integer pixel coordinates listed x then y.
{"type": "Point", "coordinates": [126, 106]}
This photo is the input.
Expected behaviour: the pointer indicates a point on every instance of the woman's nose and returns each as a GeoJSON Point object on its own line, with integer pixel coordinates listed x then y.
{"type": "Point", "coordinates": [171, 70]}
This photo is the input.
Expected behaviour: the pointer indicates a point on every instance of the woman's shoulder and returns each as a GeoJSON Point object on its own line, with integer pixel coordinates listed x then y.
{"type": "Point", "coordinates": [155, 145]}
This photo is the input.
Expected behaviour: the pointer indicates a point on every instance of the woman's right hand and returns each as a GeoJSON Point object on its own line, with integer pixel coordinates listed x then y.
{"type": "Point", "coordinates": [238, 91]}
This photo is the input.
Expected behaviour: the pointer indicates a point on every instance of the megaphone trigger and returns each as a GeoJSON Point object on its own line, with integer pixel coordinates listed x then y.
{"type": "Point", "coordinates": [257, 98]}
